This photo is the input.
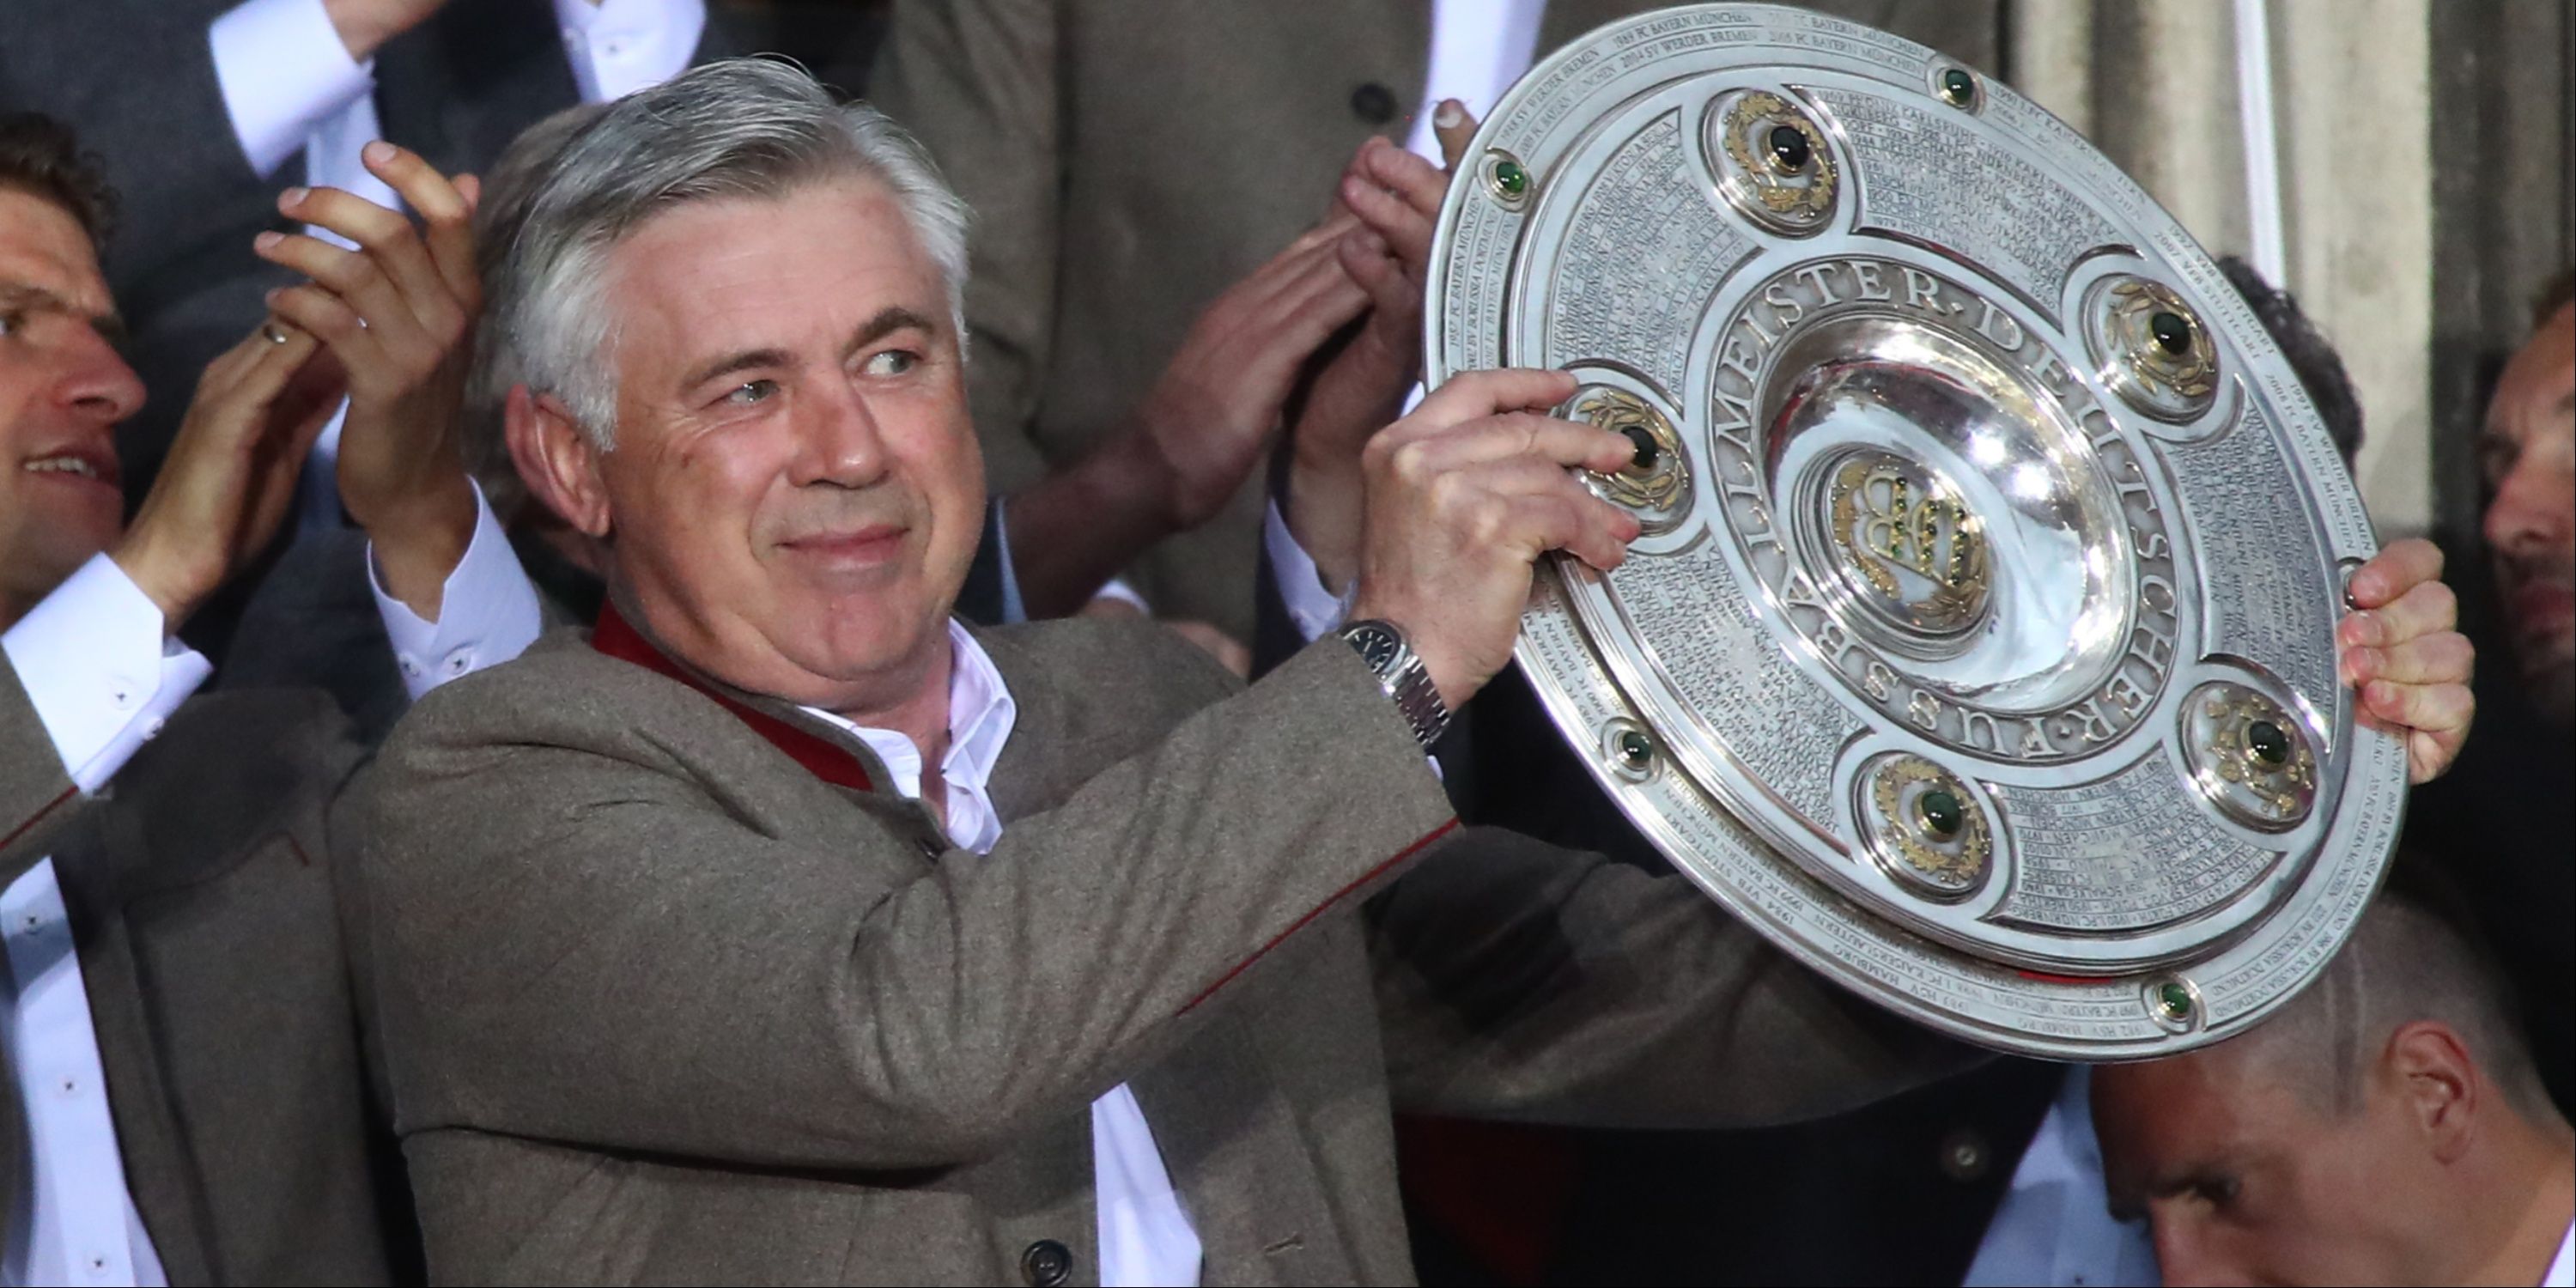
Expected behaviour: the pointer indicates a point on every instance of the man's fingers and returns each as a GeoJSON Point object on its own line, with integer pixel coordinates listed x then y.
{"type": "Point", "coordinates": [1454, 128]}
{"type": "Point", "coordinates": [446, 212]}
{"type": "Point", "coordinates": [1367, 258]}
{"type": "Point", "coordinates": [1562, 444]}
{"type": "Point", "coordinates": [2445, 657]}
{"type": "Point", "coordinates": [332, 322]}
{"type": "Point", "coordinates": [389, 239]}
{"type": "Point", "coordinates": [2431, 708]}
{"type": "Point", "coordinates": [1419, 184]}
{"type": "Point", "coordinates": [1563, 516]}
{"type": "Point", "coordinates": [2398, 567]}
{"type": "Point", "coordinates": [1470, 395]}
{"type": "Point", "coordinates": [2428, 608]}
{"type": "Point", "coordinates": [1390, 216]}
{"type": "Point", "coordinates": [358, 280]}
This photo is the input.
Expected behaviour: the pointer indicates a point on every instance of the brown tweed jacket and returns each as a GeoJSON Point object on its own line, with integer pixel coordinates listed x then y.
{"type": "Point", "coordinates": [1128, 160]}
{"type": "Point", "coordinates": [208, 922]}
{"type": "Point", "coordinates": [663, 1005]}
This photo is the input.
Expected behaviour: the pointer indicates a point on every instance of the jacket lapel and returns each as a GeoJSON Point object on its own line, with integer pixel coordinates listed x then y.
{"type": "Point", "coordinates": [1260, 1210]}
{"type": "Point", "coordinates": [161, 1170]}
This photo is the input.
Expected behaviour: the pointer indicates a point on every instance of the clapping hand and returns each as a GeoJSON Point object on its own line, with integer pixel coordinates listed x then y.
{"type": "Point", "coordinates": [397, 317]}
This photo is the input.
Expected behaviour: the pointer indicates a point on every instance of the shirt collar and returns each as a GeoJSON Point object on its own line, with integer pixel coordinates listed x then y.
{"type": "Point", "coordinates": [981, 715]}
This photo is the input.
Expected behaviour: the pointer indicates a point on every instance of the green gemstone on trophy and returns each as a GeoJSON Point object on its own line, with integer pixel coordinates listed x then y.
{"type": "Point", "coordinates": [1635, 748]}
{"type": "Point", "coordinates": [1959, 87]}
{"type": "Point", "coordinates": [1789, 152]}
{"type": "Point", "coordinates": [2172, 332]}
{"type": "Point", "coordinates": [2268, 742]}
{"type": "Point", "coordinates": [1510, 179]}
{"type": "Point", "coordinates": [1942, 812]}
{"type": "Point", "coordinates": [2174, 1001]}
{"type": "Point", "coordinates": [1648, 452]}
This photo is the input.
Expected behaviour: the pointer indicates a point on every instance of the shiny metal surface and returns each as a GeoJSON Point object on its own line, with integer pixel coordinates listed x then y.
{"type": "Point", "coordinates": [1978, 650]}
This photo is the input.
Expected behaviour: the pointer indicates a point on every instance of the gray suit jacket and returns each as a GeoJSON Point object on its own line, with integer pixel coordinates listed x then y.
{"type": "Point", "coordinates": [1130, 159]}
{"type": "Point", "coordinates": [661, 1004]}
{"type": "Point", "coordinates": [207, 916]}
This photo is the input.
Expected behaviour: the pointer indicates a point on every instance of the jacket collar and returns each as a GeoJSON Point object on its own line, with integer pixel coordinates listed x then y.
{"type": "Point", "coordinates": [825, 759]}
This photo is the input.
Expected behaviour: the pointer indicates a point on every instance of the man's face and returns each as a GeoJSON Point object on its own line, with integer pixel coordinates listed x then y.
{"type": "Point", "coordinates": [62, 390]}
{"type": "Point", "coordinates": [2244, 1181]}
{"type": "Point", "coordinates": [2529, 451]}
{"type": "Point", "coordinates": [795, 490]}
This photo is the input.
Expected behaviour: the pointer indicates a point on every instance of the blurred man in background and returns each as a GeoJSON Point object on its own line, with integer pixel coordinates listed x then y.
{"type": "Point", "coordinates": [2501, 831]}
{"type": "Point", "coordinates": [2386, 1126]}
{"type": "Point", "coordinates": [179, 1023]}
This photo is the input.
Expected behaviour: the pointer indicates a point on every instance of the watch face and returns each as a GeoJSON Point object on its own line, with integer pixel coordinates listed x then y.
{"type": "Point", "coordinates": [1377, 646]}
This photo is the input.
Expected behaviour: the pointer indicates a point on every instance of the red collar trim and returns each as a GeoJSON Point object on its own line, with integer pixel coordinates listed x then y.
{"type": "Point", "coordinates": [833, 764]}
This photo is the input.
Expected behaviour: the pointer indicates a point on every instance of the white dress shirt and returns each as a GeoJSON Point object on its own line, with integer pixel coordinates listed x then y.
{"type": "Point", "coordinates": [2055, 1225]}
{"type": "Point", "coordinates": [1145, 1237]}
{"type": "Point", "coordinates": [2562, 1268]}
{"type": "Point", "coordinates": [104, 677]}
{"type": "Point", "coordinates": [289, 84]}
{"type": "Point", "coordinates": [94, 663]}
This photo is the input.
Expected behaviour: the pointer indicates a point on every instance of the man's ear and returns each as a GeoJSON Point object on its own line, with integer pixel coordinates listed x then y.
{"type": "Point", "coordinates": [556, 459]}
{"type": "Point", "coordinates": [2439, 1085]}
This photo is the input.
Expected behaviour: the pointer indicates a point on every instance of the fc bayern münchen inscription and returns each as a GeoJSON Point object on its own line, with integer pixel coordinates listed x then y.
{"type": "Point", "coordinates": [2270, 605]}
{"type": "Point", "coordinates": [1770, 714]}
{"type": "Point", "coordinates": [1643, 253]}
{"type": "Point", "coordinates": [1795, 300]}
{"type": "Point", "coordinates": [2131, 851]}
{"type": "Point", "coordinates": [1932, 179]}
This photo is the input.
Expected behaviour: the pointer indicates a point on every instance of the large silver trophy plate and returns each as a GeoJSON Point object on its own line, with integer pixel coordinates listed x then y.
{"type": "Point", "coordinates": [1979, 648]}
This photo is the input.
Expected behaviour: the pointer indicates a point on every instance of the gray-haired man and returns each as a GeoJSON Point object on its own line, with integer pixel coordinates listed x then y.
{"type": "Point", "coordinates": [781, 929]}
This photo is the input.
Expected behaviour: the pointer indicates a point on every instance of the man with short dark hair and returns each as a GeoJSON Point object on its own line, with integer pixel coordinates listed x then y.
{"type": "Point", "coordinates": [2387, 1126]}
{"type": "Point", "coordinates": [180, 1044]}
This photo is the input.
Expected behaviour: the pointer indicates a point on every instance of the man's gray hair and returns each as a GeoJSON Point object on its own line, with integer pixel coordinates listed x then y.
{"type": "Point", "coordinates": [744, 127]}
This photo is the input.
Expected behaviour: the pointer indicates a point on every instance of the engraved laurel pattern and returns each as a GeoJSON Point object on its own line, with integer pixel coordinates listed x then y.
{"type": "Point", "coordinates": [1931, 179]}
{"type": "Point", "coordinates": [2270, 599]}
{"type": "Point", "coordinates": [1642, 255]}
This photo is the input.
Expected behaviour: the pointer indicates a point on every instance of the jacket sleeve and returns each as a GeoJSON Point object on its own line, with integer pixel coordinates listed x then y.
{"type": "Point", "coordinates": [1519, 980]}
{"type": "Point", "coordinates": [977, 81]}
{"type": "Point", "coordinates": [36, 792]}
{"type": "Point", "coordinates": [580, 939]}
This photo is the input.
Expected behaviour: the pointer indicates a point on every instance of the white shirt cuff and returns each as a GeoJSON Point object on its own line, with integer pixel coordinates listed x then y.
{"type": "Point", "coordinates": [283, 71]}
{"type": "Point", "coordinates": [1312, 608]}
{"type": "Point", "coordinates": [1117, 588]}
{"type": "Point", "coordinates": [101, 670]}
{"type": "Point", "coordinates": [487, 613]}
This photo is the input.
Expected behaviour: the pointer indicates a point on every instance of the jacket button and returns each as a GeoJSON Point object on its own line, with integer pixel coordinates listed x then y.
{"type": "Point", "coordinates": [1046, 1264]}
{"type": "Point", "coordinates": [1373, 103]}
{"type": "Point", "coordinates": [1964, 1155]}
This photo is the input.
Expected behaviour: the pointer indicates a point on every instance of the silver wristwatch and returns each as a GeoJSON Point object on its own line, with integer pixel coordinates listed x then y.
{"type": "Point", "coordinates": [1400, 672]}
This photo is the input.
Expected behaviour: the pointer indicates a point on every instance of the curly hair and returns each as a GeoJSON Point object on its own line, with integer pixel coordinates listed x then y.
{"type": "Point", "coordinates": [40, 156]}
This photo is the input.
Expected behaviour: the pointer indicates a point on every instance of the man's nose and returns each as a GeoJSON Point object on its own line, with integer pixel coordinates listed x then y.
{"type": "Point", "coordinates": [95, 383]}
{"type": "Point", "coordinates": [2530, 512]}
{"type": "Point", "coordinates": [842, 442]}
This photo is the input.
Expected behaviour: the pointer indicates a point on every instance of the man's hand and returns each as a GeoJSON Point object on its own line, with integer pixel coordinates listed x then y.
{"type": "Point", "coordinates": [231, 472]}
{"type": "Point", "coordinates": [1396, 197]}
{"type": "Point", "coordinates": [2405, 658]}
{"type": "Point", "coordinates": [1463, 496]}
{"type": "Point", "coordinates": [397, 316]}
{"type": "Point", "coordinates": [1208, 419]}
{"type": "Point", "coordinates": [365, 25]}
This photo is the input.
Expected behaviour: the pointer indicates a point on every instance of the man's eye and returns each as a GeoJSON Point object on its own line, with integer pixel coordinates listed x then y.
{"type": "Point", "coordinates": [752, 393]}
{"type": "Point", "coordinates": [10, 321]}
{"type": "Point", "coordinates": [892, 362]}
{"type": "Point", "coordinates": [2218, 1191]}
